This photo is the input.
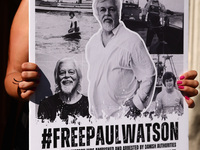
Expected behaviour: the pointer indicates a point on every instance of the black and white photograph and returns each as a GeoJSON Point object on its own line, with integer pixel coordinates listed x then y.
{"type": "Point", "coordinates": [108, 70]}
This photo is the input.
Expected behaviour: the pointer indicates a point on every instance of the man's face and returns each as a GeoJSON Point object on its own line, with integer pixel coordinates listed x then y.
{"type": "Point", "coordinates": [68, 77]}
{"type": "Point", "coordinates": [169, 83]}
{"type": "Point", "coordinates": [108, 14]}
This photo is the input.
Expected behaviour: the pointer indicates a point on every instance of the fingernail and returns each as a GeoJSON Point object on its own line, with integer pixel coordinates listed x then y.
{"type": "Point", "coordinates": [182, 77]}
{"type": "Point", "coordinates": [179, 82]}
{"type": "Point", "coordinates": [187, 98]}
{"type": "Point", "coordinates": [23, 74]}
{"type": "Point", "coordinates": [181, 87]}
{"type": "Point", "coordinates": [21, 85]}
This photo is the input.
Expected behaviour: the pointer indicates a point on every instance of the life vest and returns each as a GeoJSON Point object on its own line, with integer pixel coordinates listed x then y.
{"type": "Point", "coordinates": [154, 8]}
{"type": "Point", "coordinates": [153, 17]}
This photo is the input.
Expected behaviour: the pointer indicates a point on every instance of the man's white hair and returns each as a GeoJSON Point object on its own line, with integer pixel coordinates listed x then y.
{"type": "Point", "coordinates": [117, 2]}
{"type": "Point", "coordinates": [57, 69]}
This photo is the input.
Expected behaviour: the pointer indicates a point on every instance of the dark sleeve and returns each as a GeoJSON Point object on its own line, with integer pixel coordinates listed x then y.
{"type": "Point", "coordinates": [75, 24]}
{"type": "Point", "coordinates": [169, 12]}
{"type": "Point", "coordinates": [84, 107]}
{"type": "Point", "coordinates": [47, 110]}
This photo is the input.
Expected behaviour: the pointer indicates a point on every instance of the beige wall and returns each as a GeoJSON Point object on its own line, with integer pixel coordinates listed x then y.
{"type": "Point", "coordinates": [194, 63]}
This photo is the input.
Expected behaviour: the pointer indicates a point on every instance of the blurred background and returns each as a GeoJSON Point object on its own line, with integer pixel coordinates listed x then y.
{"type": "Point", "coordinates": [194, 63]}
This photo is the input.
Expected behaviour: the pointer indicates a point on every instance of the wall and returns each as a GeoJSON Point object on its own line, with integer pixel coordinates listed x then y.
{"type": "Point", "coordinates": [194, 63]}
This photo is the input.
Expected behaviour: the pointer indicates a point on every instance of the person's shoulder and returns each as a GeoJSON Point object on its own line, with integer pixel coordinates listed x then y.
{"type": "Point", "coordinates": [74, 18]}
{"type": "Point", "coordinates": [50, 99]}
{"type": "Point", "coordinates": [162, 5]}
{"type": "Point", "coordinates": [161, 94]}
{"type": "Point", "coordinates": [93, 39]}
{"type": "Point", "coordinates": [84, 98]}
{"type": "Point", "coordinates": [132, 39]}
{"type": "Point", "coordinates": [95, 36]}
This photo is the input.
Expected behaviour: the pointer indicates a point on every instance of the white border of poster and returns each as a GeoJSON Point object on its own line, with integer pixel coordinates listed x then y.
{"type": "Point", "coordinates": [49, 49]}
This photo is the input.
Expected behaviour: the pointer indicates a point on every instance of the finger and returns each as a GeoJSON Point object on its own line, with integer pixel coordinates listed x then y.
{"type": "Point", "coordinates": [189, 75]}
{"type": "Point", "coordinates": [189, 91]}
{"type": "Point", "coordinates": [27, 66]}
{"type": "Point", "coordinates": [126, 103]}
{"type": "Point", "coordinates": [190, 102]}
{"type": "Point", "coordinates": [30, 75]}
{"type": "Point", "coordinates": [191, 83]}
{"type": "Point", "coordinates": [26, 94]}
{"type": "Point", "coordinates": [28, 85]}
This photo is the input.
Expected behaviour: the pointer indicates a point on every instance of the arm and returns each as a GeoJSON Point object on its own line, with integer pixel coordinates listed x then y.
{"type": "Point", "coordinates": [146, 7]}
{"type": "Point", "coordinates": [71, 25]}
{"type": "Point", "coordinates": [17, 69]}
{"type": "Point", "coordinates": [144, 70]}
{"type": "Point", "coordinates": [75, 24]}
{"type": "Point", "coordinates": [159, 105]}
{"type": "Point", "coordinates": [163, 9]}
{"type": "Point", "coordinates": [145, 73]}
{"type": "Point", "coordinates": [144, 11]}
{"type": "Point", "coordinates": [187, 85]}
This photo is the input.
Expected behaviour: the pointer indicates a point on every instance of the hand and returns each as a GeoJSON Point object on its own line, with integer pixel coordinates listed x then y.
{"type": "Point", "coordinates": [164, 116]}
{"type": "Point", "coordinates": [134, 111]}
{"type": "Point", "coordinates": [30, 79]}
{"type": "Point", "coordinates": [188, 86]}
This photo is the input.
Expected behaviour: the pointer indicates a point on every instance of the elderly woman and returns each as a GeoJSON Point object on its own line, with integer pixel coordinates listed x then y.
{"type": "Point", "coordinates": [169, 100]}
{"type": "Point", "coordinates": [68, 101]}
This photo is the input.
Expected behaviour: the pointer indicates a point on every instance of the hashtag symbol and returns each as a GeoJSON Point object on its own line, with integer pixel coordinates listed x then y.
{"type": "Point", "coordinates": [46, 142]}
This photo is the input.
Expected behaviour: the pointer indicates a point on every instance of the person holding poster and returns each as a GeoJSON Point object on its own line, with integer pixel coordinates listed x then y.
{"type": "Point", "coordinates": [68, 101]}
{"type": "Point", "coordinates": [22, 76]}
{"type": "Point", "coordinates": [121, 73]}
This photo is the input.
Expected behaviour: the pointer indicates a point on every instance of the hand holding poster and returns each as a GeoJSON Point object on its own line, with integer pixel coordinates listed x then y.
{"type": "Point", "coordinates": [109, 71]}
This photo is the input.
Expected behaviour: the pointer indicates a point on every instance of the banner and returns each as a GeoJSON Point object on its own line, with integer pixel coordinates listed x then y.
{"type": "Point", "coordinates": [109, 72]}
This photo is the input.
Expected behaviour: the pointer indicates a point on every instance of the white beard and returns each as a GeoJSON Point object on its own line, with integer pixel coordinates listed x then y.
{"type": "Point", "coordinates": [108, 26]}
{"type": "Point", "coordinates": [67, 89]}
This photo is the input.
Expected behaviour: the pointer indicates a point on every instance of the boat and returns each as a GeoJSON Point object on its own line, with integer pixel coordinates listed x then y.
{"type": "Point", "coordinates": [73, 35]}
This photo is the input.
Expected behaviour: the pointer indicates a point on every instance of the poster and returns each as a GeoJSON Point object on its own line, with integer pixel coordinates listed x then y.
{"type": "Point", "coordinates": [108, 75]}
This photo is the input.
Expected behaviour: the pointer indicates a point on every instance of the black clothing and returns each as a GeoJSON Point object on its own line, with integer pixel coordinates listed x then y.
{"type": "Point", "coordinates": [154, 25]}
{"type": "Point", "coordinates": [153, 18]}
{"type": "Point", "coordinates": [22, 133]}
{"type": "Point", "coordinates": [52, 106]}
